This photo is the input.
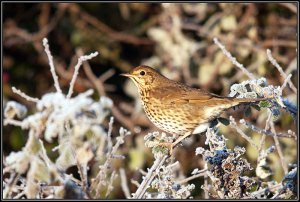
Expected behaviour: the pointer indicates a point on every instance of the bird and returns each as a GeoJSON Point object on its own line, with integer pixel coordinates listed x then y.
{"type": "Point", "coordinates": [176, 108]}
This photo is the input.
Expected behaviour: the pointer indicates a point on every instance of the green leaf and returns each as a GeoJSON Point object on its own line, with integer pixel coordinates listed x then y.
{"type": "Point", "coordinates": [224, 121]}
{"type": "Point", "coordinates": [264, 104]}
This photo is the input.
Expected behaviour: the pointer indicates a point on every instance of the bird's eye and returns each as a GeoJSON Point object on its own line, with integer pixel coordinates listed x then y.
{"type": "Point", "coordinates": [142, 73]}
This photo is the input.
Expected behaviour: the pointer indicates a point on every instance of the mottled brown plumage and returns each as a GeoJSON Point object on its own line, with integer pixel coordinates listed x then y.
{"type": "Point", "coordinates": [177, 108]}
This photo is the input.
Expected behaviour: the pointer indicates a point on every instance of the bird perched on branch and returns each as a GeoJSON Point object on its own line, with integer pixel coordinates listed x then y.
{"type": "Point", "coordinates": [177, 108]}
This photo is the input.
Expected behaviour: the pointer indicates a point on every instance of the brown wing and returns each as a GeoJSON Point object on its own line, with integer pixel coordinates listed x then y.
{"type": "Point", "coordinates": [179, 94]}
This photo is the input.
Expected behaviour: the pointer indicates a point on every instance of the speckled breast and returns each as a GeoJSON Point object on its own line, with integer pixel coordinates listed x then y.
{"type": "Point", "coordinates": [174, 120]}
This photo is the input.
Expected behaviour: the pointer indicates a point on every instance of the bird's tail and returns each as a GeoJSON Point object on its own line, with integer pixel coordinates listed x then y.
{"type": "Point", "coordinates": [245, 100]}
{"type": "Point", "coordinates": [248, 100]}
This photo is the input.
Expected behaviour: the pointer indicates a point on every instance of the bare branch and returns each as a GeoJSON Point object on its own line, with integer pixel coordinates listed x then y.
{"type": "Point", "coordinates": [124, 183]}
{"type": "Point", "coordinates": [81, 59]}
{"type": "Point", "coordinates": [52, 68]}
{"type": "Point", "coordinates": [19, 92]}
{"type": "Point", "coordinates": [233, 59]}
{"type": "Point", "coordinates": [279, 68]}
{"type": "Point", "coordinates": [149, 177]}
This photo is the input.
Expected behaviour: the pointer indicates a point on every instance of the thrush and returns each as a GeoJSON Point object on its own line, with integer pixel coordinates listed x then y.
{"type": "Point", "coordinates": [177, 108]}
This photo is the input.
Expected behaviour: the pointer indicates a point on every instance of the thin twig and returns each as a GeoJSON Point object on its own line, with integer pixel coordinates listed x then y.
{"type": "Point", "coordinates": [234, 125]}
{"type": "Point", "coordinates": [106, 75]}
{"type": "Point", "coordinates": [136, 183]}
{"type": "Point", "coordinates": [81, 59]}
{"type": "Point", "coordinates": [149, 177]}
{"type": "Point", "coordinates": [263, 138]}
{"type": "Point", "coordinates": [200, 174]}
{"type": "Point", "coordinates": [279, 150]}
{"type": "Point", "coordinates": [103, 28]}
{"type": "Point", "coordinates": [233, 59]}
{"type": "Point", "coordinates": [52, 68]}
{"type": "Point", "coordinates": [290, 6]}
{"type": "Point", "coordinates": [10, 185]}
{"type": "Point", "coordinates": [123, 120]}
{"type": "Point", "coordinates": [124, 183]}
{"type": "Point", "coordinates": [110, 186]}
{"type": "Point", "coordinates": [13, 122]}
{"type": "Point", "coordinates": [18, 196]}
{"type": "Point", "coordinates": [267, 132]}
{"type": "Point", "coordinates": [27, 97]}
{"type": "Point", "coordinates": [286, 80]}
{"type": "Point", "coordinates": [279, 68]}
{"type": "Point", "coordinates": [262, 191]}
{"type": "Point", "coordinates": [96, 82]}
{"type": "Point", "coordinates": [206, 191]}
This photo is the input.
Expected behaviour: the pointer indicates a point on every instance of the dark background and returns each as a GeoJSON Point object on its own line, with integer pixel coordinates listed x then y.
{"type": "Point", "coordinates": [121, 33]}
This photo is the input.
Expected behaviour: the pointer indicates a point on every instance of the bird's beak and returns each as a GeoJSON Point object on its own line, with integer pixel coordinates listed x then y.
{"type": "Point", "coordinates": [127, 75]}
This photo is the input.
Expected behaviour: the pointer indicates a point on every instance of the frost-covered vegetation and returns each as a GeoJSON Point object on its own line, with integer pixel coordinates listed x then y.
{"type": "Point", "coordinates": [83, 139]}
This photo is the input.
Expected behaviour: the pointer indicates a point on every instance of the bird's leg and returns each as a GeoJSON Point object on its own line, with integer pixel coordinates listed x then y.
{"type": "Point", "coordinates": [170, 145]}
{"type": "Point", "coordinates": [180, 139]}
{"type": "Point", "coordinates": [167, 145]}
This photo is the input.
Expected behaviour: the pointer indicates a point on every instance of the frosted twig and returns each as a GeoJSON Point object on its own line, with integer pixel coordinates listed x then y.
{"type": "Point", "coordinates": [48, 161]}
{"type": "Point", "coordinates": [44, 154]}
{"type": "Point", "coordinates": [124, 183]}
{"type": "Point", "coordinates": [279, 68]}
{"type": "Point", "coordinates": [234, 125]}
{"type": "Point", "coordinates": [174, 165]}
{"type": "Point", "coordinates": [206, 192]}
{"type": "Point", "coordinates": [263, 138]}
{"type": "Point", "coordinates": [286, 80]}
{"type": "Point", "coordinates": [159, 161]}
{"type": "Point", "coordinates": [142, 172]}
{"type": "Point", "coordinates": [10, 185]}
{"type": "Point", "coordinates": [99, 180]}
{"type": "Point", "coordinates": [18, 196]}
{"type": "Point", "coordinates": [136, 183]}
{"type": "Point", "coordinates": [262, 191]}
{"type": "Point", "coordinates": [81, 59]}
{"type": "Point", "coordinates": [110, 127]}
{"type": "Point", "coordinates": [97, 82]}
{"type": "Point", "coordinates": [233, 59]}
{"type": "Point", "coordinates": [19, 92]}
{"type": "Point", "coordinates": [110, 186]}
{"type": "Point", "coordinates": [267, 132]}
{"type": "Point", "coordinates": [82, 170]}
{"type": "Point", "coordinates": [279, 150]}
{"type": "Point", "coordinates": [199, 174]}
{"type": "Point", "coordinates": [52, 68]}
{"type": "Point", "coordinates": [13, 122]}
{"type": "Point", "coordinates": [71, 177]}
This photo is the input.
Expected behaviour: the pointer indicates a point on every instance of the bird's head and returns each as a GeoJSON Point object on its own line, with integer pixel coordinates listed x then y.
{"type": "Point", "coordinates": [145, 77]}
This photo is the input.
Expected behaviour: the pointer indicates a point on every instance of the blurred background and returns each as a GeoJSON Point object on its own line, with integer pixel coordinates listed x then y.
{"type": "Point", "coordinates": [175, 39]}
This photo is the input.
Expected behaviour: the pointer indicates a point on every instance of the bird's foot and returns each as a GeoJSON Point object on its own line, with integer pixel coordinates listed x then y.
{"type": "Point", "coordinates": [167, 145]}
